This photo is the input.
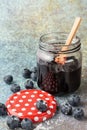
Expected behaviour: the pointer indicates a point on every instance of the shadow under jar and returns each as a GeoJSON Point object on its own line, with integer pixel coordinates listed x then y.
{"type": "Point", "coordinates": [57, 78]}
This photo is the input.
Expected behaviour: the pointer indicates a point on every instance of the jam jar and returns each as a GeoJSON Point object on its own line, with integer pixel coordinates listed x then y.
{"type": "Point", "coordinates": [54, 77]}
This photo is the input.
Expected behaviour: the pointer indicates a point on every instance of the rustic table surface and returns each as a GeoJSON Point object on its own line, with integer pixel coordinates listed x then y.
{"type": "Point", "coordinates": [22, 22]}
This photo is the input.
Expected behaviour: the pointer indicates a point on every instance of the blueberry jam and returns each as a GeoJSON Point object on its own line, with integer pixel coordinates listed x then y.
{"type": "Point", "coordinates": [59, 79]}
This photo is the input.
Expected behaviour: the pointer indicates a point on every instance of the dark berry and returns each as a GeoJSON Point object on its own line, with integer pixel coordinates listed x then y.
{"type": "Point", "coordinates": [34, 70]}
{"type": "Point", "coordinates": [41, 105]}
{"type": "Point", "coordinates": [15, 88]}
{"type": "Point", "coordinates": [27, 124]}
{"type": "Point", "coordinates": [26, 73]}
{"type": "Point", "coordinates": [29, 84]}
{"type": "Point", "coordinates": [13, 122]}
{"type": "Point", "coordinates": [66, 109]}
{"type": "Point", "coordinates": [3, 109]}
{"type": "Point", "coordinates": [74, 100]}
{"type": "Point", "coordinates": [8, 79]}
{"type": "Point", "coordinates": [34, 76]}
{"type": "Point", "coordinates": [78, 113]}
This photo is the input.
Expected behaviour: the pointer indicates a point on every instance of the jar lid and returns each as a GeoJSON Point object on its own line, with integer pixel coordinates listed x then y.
{"type": "Point", "coordinates": [23, 105]}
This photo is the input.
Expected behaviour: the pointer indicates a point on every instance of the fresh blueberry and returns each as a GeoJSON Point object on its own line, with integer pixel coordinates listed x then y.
{"type": "Point", "coordinates": [13, 122]}
{"type": "Point", "coordinates": [78, 113]}
{"type": "Point", "coordinates": [15, 88]}
{"type": "Point", "coordinates": [29, 84]}
{"type": "Point", "coordinates": [34, 70]}
{"type": "Point", "coordinates": [27, 124]}
{"type": "Point", "coordinates": [66, 109]}
{"type": "Point", "coordinates": [3, 109]}
{"type": "Point", "coordinates": [74, 100]}
{"type": "Point", "coordinates": [26, 73]}
{"type": "Point", "coordinates": [8, 79]}
{"type": "Point", "coordinates": [34, 76]}
{"type": "Point", "coordinates": [41, 105]}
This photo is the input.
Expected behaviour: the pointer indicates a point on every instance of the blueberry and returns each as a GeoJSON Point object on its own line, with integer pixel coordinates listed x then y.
{"type": "Point", "coordinates": [26, 73]}
{"type": "Point", "coordinates": [8, 79]}
{"type": "Point", "coordinates": [3, 109]}
{"type": "Point", "coordinates": [29, 84]}
{"type": "Point", "coordinates": [66, 109]}
{"type": "Point", "coordinates": [41, 105]}
{"type": "Point", "coordinates": [27, 124]}
{"type": "Point", "coordinates": [78, 113]}
{"type": "Point", "coordinates": [74, 100]}
{"type": "Point", "coordinates": [34, 76]}
{"type": "Point", "coordinates": [13, 122]}
{"type": "Point", "coordinates": [15, 88]}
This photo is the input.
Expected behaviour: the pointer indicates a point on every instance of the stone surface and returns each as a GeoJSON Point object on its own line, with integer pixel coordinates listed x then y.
{"type": "Point", "coordinates": [22, 22]}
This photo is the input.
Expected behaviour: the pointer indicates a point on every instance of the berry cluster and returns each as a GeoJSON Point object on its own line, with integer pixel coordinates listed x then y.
{"type": "Point", "coordinates": [14, 122]}
{"type": "Point", "coordinates": [71, 107]}
{"type": "Point", "coordinates": [29, 75]}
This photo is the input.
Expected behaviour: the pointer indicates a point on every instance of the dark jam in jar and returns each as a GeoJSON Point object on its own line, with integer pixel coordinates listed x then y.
{"type": "Point", "coordinates": [57, 78]}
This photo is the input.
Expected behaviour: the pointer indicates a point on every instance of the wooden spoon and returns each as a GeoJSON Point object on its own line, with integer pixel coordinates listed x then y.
{"type": "Point", "coordinates": [62, 58]}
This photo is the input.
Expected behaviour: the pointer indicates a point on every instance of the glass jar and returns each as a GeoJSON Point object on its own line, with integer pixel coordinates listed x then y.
{"type": "Point", "coordinates": [54, 77]}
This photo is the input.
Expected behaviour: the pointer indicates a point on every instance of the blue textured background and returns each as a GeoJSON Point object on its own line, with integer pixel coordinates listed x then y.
{"type": "Point", "coordinates": [22, 22]}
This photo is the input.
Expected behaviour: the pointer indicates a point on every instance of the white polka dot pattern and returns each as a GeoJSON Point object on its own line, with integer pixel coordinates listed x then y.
{"type": "Point", "coordinates": [39, 112]}
{"type": "Point", "coordinates": [32, 96]}
{"type": "Point", "coordinates": [29, 113]}
{"type": "Point", "coordinates": [17, 105]}
{"type": "Point", "coordinates": [48, 112]}
{"type": "Point", "coordinates": [44, 118]}
{"type": "Point", "coordinates": [23, 104]}
{"type": "Point", "coordinates": [26, 92]}
{"type": "Point", "coordinates": [29, 100]}
{"type": "Point", "coordinates": [20, 114]}
{"type": "Point", "coordinates": [38, 99]}
{"type": "Point", "coordinates": [15, 97]}
{"type": "Point", "coordinates": [23, 96]}
{"type": "Point", "coordinates": [26, 104]}
{"type": "Point", "coordinates": [23, 109]}
{"type": "Point", "coordinates": [18, 93]}
{"type": "Point", "coordinates": [13, 110]}
{"type": "Point", "coordinates": [41, 95]}
{"type": "Point", "coordinates": [11, 101]}
{"type": "Point", "coordinates": [47, 98]}
{"type": "Point", "coordinates": [36, 118]}
{"type": "Point", "coordinates": [33, 108]}
{"type": "Point", "coordinates": [8, 106]}
{"type": "Point", "coordinates": [21, 100]}
{"type": "Point", "coordinates": [51, 107]}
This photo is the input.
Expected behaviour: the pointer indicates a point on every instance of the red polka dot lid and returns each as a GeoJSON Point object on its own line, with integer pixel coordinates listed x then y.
{"type": "Point", "coordinates": [23, 105]}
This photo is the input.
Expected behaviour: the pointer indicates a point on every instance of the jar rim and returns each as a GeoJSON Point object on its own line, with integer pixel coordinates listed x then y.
{"type": "Point", "coordinates": [75, 45]}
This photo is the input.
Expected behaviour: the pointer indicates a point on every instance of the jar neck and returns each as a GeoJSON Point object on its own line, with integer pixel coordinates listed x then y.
{"type": "Point", "coordinates": [53, 42]}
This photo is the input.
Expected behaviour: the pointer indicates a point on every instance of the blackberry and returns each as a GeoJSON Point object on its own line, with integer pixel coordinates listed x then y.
{"type": "Point", "coordinates": [74, 100]}
{"type": "Point", "coordinates": [8, 79]}
{"type": "Point", "coordinates": [29, 84]}
{"type": "Point", "coordinates": [66, 109]}
{"type": "Point", "coordinates": [78, 113]}
{"type": "Point", "coordinates": [26, 73]}
{"type": "Point", "coordinates": [15, 88]}
{"type": "Point", "coordinates": [13, 122]}
{"type": "Point", "coordinates": [41, 106]}
{"type": "Point", "coordinates": [3, 109]}
{"type": "Point", "coordinates": [27, 124]}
